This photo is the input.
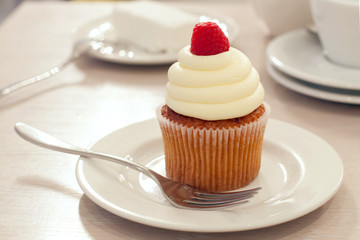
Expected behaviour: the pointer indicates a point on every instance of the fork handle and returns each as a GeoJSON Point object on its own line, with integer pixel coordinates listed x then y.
{"type": "Point", "coordinates": [45, 140]}
{"type": "Point", "coordinates": [26, 82]}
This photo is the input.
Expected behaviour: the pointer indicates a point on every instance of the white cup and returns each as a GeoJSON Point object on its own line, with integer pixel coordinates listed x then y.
{"type": "Point", "coordinates": [281, 16]}
{"type": "Point", "coordinates": [337, 22]}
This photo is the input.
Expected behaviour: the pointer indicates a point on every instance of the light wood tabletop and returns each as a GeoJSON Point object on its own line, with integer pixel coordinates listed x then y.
{"type": "Point", "coordinates": [40, 196]}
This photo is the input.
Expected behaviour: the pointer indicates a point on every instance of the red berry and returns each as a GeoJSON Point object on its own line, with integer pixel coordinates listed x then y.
{"type": "Point", "coordinates": [208, 39]}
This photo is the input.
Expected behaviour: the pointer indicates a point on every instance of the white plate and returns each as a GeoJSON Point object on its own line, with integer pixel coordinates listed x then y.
{"type": "Point", "coordinates": [299, 54]}
{"type": "Point", "coordinates": [314, 90]}
{"type": "Point", "coordinates": [103, 29]}
{"type": "Point", "coordinates": [299, 173]}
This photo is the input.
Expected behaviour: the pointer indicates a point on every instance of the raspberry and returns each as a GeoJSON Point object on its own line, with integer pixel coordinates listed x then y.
{"type": "Point", "coordinates": [208, 39]}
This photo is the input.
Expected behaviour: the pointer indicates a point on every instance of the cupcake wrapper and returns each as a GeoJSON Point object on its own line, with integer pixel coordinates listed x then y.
{"type": "Point", "coordinates": [213, 159]}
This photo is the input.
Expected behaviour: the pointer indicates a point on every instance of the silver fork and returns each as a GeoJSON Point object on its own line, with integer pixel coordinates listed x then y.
{"type": "Point", "coordinates": [79, 48]}
{"type": "Point", "coordinates": [177, 194]}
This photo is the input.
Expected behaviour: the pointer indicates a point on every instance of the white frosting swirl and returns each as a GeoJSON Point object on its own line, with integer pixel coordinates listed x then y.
{"type": "Point", "coordinates": [215, 87]}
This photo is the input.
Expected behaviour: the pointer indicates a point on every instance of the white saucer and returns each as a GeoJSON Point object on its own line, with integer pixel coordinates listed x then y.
{"type": "Point", "coordinates": [298, 53]}
{"type": "Point", "coordinates": [102, 29]}
{"type": "Point", "coordinates": [314, 90]}
{"type": "Point", "coordinates": [293, 179]}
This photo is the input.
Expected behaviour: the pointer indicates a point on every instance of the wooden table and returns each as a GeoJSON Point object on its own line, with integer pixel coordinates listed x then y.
{"type": "Point", "coordinates": [40, 197]}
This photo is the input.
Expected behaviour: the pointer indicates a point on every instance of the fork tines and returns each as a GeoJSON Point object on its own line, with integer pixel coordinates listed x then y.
{"type": "Point", "coordinates": [221, 199]}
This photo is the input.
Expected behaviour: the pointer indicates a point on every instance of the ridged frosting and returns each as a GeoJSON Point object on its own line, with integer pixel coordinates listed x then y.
{"type": "Point", "coordinates": [214, 87]}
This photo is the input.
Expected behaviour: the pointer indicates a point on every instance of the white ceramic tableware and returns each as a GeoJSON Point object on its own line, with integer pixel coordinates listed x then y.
{"type": "Point", "coordinates": [337, 22]}
{"type": "Point", "coordinates": [281, 16]}
{"type": "Point", "coordinates": [298, 53]}
{"type": "Point", "coordinates": [314, 90]}
{"type": "Point", "coordinates": [292, 176]}
{"type": "Point", "coordinates": [103, 29]}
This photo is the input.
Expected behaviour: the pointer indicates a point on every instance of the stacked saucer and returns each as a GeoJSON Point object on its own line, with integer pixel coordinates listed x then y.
{"type": "Point", "coordinates": [295, 60]}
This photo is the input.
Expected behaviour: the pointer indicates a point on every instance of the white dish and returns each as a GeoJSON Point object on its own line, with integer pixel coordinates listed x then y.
{"type": "Point", "coordinates": [102, 29]}
{"type": "Point", "coordinates": [298, 53]}
{"type": "Point", "coordinates": [313, 90]}
{"type": "Point", "coordinates": [299, 173]}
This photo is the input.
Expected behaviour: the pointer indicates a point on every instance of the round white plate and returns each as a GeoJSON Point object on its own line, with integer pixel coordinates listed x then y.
{"type": "Point", "coordinates": [299, 173]}
{"type": "Point", "coordinates": [102, 29]}
{"type": "Point", "coordinates": [314, 90]}
{"type": "Point", "coordinates": [298, 53]}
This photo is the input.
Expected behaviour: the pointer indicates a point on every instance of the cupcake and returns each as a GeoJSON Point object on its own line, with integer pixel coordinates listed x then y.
{"type": "Point", "coordinates": [214, 119]}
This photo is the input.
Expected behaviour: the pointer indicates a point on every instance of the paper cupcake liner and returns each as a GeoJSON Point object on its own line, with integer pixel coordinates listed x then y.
{"type": "Point", "coordinates": [213, 159]}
